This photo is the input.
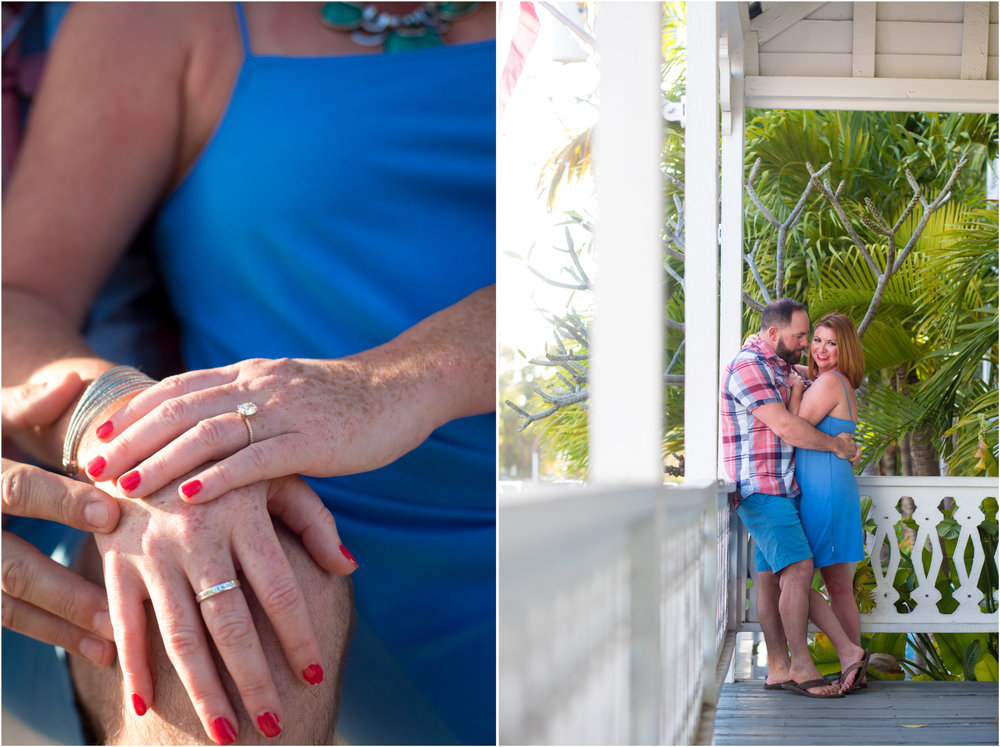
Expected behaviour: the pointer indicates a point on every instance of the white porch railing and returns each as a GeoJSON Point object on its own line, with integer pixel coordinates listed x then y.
{"type": "Point", "coordinates": [928, 494]}
{"type": "Point", "coordinates": [610, 626]}
{"type": "Point", "coordinates": [616, 606]}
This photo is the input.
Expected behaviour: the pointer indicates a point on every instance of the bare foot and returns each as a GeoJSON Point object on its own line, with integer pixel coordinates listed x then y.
{"type": "Point", "coordinates": [850, 672]}
{"type": "Point", "coordinates": [811, 673]}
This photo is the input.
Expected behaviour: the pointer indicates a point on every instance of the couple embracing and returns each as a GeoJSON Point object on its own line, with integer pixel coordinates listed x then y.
{"type": "Point", "coordinates": [787, 441]}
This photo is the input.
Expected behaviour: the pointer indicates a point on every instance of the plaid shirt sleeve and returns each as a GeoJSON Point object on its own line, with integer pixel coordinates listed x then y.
{"type": "Point", "coordinates": [753, 384]}
{"type": "Point", "coordinates": [753, 455]}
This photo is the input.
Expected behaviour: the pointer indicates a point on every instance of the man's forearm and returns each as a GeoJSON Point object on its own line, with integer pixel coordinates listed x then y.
{"type": "Point", "coordinates": [799, 433]}
{"type": "Point", "coordinates": [40, 343]}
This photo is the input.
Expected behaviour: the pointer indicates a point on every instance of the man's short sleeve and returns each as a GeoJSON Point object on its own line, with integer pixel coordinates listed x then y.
{"type": "Point", "coordinates": [752, 384]}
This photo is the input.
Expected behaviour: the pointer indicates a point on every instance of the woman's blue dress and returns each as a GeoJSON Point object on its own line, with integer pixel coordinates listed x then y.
{"type": "Point", "coordinates": [340, 201]}
{"type": "Point", "coordinates": [830, 506]}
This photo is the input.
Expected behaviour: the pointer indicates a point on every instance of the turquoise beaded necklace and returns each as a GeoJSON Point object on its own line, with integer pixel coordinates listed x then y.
{"type": "Point", "coordinates": [421, 29]}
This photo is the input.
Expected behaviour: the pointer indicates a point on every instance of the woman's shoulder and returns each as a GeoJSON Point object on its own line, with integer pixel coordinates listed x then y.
{"type": "Point", "coordinates": [826, 386]}
{"type": "Point", "coordinates": [160, 31]}
{"type": "Point", "coordinates": [833, 380]}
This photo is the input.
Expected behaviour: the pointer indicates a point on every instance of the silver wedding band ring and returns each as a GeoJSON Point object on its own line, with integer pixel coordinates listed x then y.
{"type": "Point", "coordinates": [217, 589]}
{"type": "Point", "coordinates": [246, 411]}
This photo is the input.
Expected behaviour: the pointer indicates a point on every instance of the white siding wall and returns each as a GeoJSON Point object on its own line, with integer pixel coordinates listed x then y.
{"type": "Point", "coordinates": [912, 40]}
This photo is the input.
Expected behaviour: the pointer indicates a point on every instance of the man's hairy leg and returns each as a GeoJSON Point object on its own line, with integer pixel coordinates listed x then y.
{"type": "Point", "coordinates": [768, 593]}
{"type": "Point", "coordinates": [309, 713]}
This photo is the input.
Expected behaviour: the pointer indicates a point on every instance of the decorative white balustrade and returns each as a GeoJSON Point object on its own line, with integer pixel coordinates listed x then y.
{"type": "Point", "coordinates": [608, 627]}
{"type": "Point", "coordinates": [929, 494]}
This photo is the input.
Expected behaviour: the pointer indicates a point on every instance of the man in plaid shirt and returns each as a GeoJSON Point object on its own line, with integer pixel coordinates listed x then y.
{"type": "Point", "coordinates": [759, 437]}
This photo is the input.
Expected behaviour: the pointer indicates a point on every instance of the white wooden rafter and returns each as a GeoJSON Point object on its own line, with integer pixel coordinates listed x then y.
{"type": "Point", "coordinates": [975, 41]}
{"type": "Point", "coordinates": [780, 17]}
{"type": "Point", "coordinates": [863, 53]}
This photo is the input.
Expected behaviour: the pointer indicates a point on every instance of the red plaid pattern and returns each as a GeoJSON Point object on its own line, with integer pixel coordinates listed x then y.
{"type": "Point", "coordinates": [754, 457]}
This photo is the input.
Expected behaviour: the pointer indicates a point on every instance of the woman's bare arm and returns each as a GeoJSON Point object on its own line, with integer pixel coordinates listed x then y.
{"type": "Point", "coordinates": [819, 399]}
{"type": "Point", "coordinates": [98, 154]}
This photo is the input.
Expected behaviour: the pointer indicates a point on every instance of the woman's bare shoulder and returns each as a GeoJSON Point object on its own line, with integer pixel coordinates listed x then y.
{"type": "Point", "coordinates": [825, 387]}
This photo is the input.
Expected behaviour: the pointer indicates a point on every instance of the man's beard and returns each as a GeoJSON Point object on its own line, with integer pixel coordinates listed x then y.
{"type": "Point", "coordinates": [790, 357]}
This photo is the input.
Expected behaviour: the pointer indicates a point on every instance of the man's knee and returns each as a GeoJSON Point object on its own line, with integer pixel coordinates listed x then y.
{"type": "Point", "coordinates": [309, 712]}
{"type": "Point", "coordinates": [766, 581]}
{"type": "Point", "coordinates": [798, 573]}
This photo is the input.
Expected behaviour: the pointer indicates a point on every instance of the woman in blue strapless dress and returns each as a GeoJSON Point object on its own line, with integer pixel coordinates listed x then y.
{"type": "Point", "coordinates": [830, 507]}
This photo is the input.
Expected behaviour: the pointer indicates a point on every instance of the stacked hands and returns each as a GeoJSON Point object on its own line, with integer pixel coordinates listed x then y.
{"type": "Point", "coordinates": [178, 443]}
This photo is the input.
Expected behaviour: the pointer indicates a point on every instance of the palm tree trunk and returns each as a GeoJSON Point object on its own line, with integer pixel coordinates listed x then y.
{"type": "Point", "coordinates": [905, 456]}
{"type": "Point", "coordinates": [889, 465]}
{"type": "Point", "coordinates": [924, 458]}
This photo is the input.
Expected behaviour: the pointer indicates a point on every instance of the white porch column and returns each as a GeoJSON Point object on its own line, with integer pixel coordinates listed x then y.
{"type": "Point", "coordinates": [733, 149]}
{"type": "Point", "coordinates": [627, 366]}
{"type": "Point", "coordinates": [701, 258]}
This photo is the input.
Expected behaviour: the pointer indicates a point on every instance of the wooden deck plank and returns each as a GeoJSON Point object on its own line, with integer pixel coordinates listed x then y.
{"type": "Point", "coordinates": [911, 713]}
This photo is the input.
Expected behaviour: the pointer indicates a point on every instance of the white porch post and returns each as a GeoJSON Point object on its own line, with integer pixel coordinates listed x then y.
{"type": "Point", "coordinates": [701, 262]}
{"type": "Point", "coordinates": [627, 366]}
{"type": "Point", "coordinates": [733, 150]}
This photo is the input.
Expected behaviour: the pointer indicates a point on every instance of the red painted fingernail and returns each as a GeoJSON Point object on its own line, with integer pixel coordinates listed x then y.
{"type": "Point", "coordinates": [268, 723]}
{"type": "Point", "coordinates": [191, 488]}
{"type": "Point", "coordinates": [96, 467]}
{"type": "Point", "coordinates": [104, 430]}
{"type": "Point", "coordinates": [313, 674]}
{"type": "Point", "coordinates": [223, 731]}
{"type": "Point", "coordinates": [347, 554]}
{"type": "Point", "coordinates": [130, 481]}
{"type": "Point", "coordinates": [138, 704]}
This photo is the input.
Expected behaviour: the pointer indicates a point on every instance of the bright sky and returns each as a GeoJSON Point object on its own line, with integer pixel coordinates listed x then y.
{"type": "Point", "coordinates": [543, 113]}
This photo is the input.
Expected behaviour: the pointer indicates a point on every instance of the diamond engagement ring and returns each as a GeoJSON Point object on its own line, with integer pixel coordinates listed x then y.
{"type": "Point", "coordinates": [217, 589]}
{"type": "Point", "coordinates": [246, 410]}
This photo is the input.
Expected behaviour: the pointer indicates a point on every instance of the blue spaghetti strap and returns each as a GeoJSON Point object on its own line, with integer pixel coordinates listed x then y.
{"type": "Point", "coordinates": [850, 411]}
{"type": "Point", "coordinates": [244, 31]}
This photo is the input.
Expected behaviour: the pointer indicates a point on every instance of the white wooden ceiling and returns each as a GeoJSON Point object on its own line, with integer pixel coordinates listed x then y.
{"type": "Point", "coordinates": [930, 56]}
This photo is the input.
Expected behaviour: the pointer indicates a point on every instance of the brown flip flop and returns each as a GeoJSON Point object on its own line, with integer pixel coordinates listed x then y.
{"type": "Point", "coordinates": [802, 688]}
{"type": "Point", "coordinates": [776, 685]}
{"type": "Point", "coordinates": [861, 664]}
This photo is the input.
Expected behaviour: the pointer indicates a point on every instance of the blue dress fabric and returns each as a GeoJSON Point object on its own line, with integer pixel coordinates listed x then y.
{"type": "Point", "coordinates": [340, 201]}
{"type": "Point", "coordinates": [830, 506]}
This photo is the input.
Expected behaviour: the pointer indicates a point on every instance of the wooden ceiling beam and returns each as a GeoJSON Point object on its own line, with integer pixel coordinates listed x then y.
{"type": "Point", "coordinates": [975, 41]}
{"type": "Point", "coordinates": [863, 53]}
{"type": "Point", "coordinates": [779, 17]}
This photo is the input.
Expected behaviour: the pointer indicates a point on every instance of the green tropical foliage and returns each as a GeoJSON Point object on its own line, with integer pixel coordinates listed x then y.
{"type": "Point", "coordinates": [931, 352]}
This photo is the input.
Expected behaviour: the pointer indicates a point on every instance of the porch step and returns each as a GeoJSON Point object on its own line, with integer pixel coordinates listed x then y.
{"type": "Point", "coordinates": [888, 712]}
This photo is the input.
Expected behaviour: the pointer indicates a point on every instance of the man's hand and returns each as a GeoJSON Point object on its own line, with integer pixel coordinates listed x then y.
{"type": "Point", "coordinates": [847, 449]}
{"type": "Point", "coordinates": [31, 405]}
{"type": "Point", "coordinates": [41, 598]}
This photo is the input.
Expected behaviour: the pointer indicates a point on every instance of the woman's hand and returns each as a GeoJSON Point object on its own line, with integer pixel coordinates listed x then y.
{"type": "Point", "coordinates": [42, 598]}
{"type": "Point", "coordinates": [167, 551]}
{"type": "Point", "coordinates": [796, 386]}
{"type": "Point", "coordinates": [314, 417]}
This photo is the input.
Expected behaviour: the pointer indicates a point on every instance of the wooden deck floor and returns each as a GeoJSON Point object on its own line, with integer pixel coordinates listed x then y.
{"type": "Point", "coordinates": [910, 713]}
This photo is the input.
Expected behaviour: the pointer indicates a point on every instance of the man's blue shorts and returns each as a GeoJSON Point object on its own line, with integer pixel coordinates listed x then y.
{"type": "Point", "coordinates": [773, 522]}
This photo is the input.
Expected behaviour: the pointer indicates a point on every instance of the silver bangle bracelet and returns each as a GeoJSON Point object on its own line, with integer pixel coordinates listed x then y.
{"type": "Point", "coordinates": [111, 385]}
